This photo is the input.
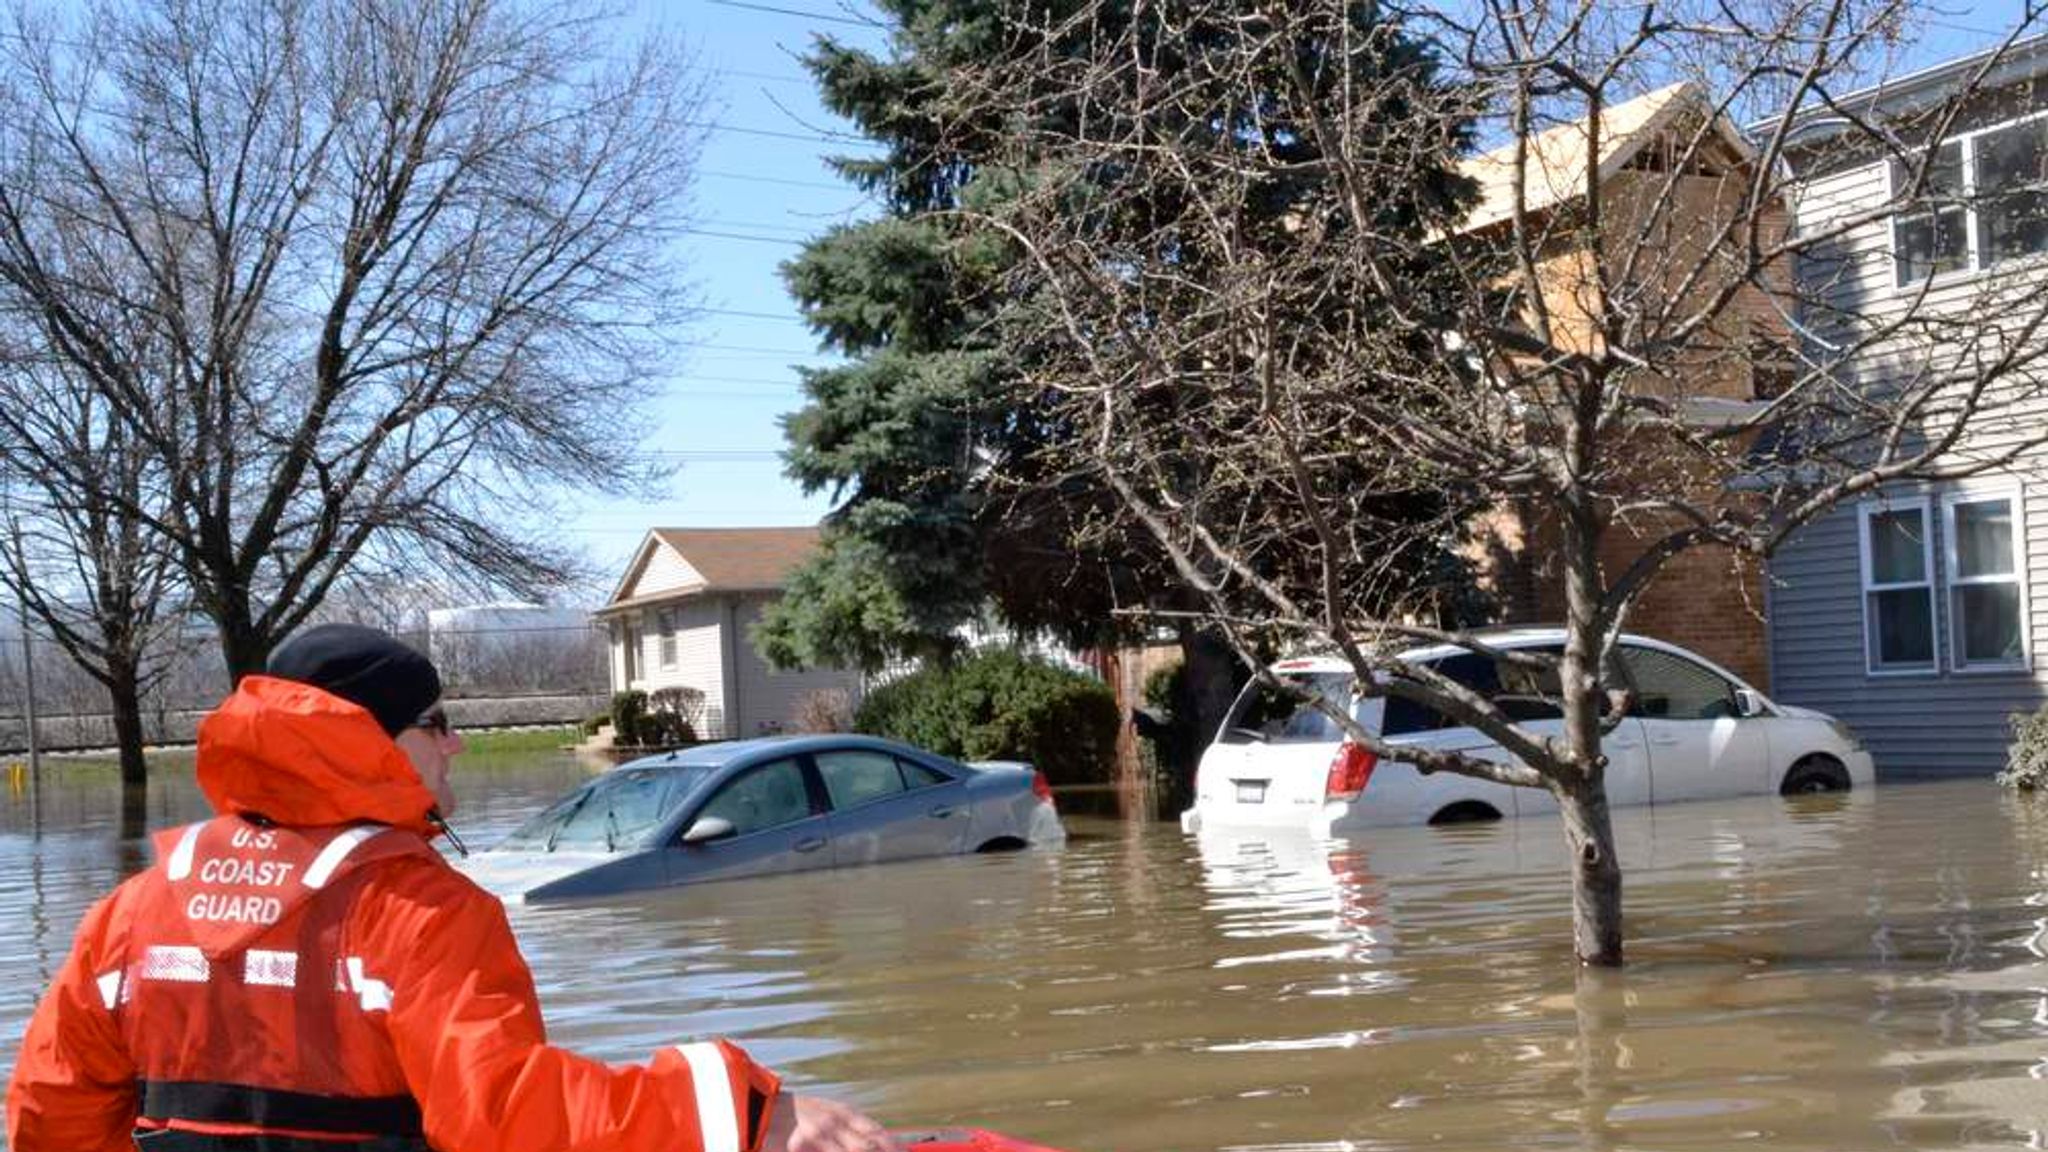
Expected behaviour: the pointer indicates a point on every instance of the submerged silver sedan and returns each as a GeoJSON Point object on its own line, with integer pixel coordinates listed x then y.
{"type": "Point", "coordinates": [755, 807]}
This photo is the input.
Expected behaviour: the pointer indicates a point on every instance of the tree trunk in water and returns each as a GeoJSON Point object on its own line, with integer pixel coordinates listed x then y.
{"type": "Point", "coordinates": [1596, 873]}
{"type": "Point", "coordinates": [124, 700]}
{"type": "Point", "coordinates": [1134, 799]}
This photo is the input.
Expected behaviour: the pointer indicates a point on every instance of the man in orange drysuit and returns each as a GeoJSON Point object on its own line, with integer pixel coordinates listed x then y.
{"type": "Point", "coordinates": [303, 973]}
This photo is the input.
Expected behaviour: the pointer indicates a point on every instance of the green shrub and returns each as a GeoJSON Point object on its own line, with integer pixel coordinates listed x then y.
{"type": "Point", "coordinates": [2026, 762]}
{"type": "Point", "coordinates": [672, 716]}
{"type": "Point", "coordinates": [592, 724]}
{"type": "Point", "coordinates": [629, 715]}
{"type": "Point", "coordinates": [1002, 705]}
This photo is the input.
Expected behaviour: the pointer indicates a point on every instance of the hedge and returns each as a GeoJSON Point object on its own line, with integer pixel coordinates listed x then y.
{"type": "Point", "coordinates": [1002, 705]}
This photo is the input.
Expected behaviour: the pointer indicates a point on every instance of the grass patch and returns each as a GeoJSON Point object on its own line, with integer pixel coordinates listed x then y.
{"type": "Point", "coordinates": [512, 741]}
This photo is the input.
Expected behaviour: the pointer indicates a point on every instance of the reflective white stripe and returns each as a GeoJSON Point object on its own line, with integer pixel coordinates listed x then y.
{"type": "Point", "coordinates": [337, 850]}
{"type": "Point", "coordinates": [719, 1124]}
{"type": "Point", "coordinates": [180, 865]}
{"type": "Point", "coordinates": [110, 989]}
{"type": "Point", "coordinates": [270, 969]}
{"type": "Point", "coordinates": [374, 994]}
{"type": "Point", "coordinates": [180, 964]}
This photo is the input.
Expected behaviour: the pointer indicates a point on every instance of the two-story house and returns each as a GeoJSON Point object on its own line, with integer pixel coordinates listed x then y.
{"type": "Point", "coordinates": [1917, 614]}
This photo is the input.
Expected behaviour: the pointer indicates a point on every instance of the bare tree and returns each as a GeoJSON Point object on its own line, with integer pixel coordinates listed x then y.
{"type": "Point", "coordinates": [1600, 330]}
{"type": "Point", "coordinates": [390, 274]}
{"type": "Point", "coordinates": [81, 559]}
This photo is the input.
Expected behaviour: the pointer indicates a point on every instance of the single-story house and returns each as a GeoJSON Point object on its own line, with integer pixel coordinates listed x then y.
{"type": "Point", "coordinates": [681, 614]}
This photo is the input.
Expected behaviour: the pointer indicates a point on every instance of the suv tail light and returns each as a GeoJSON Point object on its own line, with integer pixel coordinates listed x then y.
{"type": "Point", "coordinates": [1040, 787]}
{"type": "Point", "coordinates": [1350, 771]}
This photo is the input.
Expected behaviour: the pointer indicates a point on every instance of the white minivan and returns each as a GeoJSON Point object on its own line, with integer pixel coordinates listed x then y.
{"type": "Point", "coordinates": [1696, 732]}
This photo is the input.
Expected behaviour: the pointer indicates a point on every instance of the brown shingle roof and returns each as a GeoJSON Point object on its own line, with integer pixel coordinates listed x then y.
{"type": "Point", "coordinates": [729, 560]}
{"type": "Point", "coordinates": [742, 559]}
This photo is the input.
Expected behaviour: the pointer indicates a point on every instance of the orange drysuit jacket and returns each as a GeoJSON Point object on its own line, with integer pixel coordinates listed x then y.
{"type": "Point", "coordinates": [455, 1004]}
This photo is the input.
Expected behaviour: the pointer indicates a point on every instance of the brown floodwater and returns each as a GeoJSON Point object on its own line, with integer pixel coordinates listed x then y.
{"type": "Point", "coordinates": [1828, 973]}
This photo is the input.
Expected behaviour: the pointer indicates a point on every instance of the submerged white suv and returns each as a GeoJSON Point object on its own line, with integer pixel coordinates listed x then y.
{"type": "Point", "coordinates": [1696, 732]}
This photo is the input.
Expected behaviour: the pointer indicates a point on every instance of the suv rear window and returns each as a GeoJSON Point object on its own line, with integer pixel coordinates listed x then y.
{"type": "Point", "coordinates": [1266, 714]}
{"type": "Point", "coordinates": [1474, 671]}
{"type": "Point", "coordinates": [1523, 694]}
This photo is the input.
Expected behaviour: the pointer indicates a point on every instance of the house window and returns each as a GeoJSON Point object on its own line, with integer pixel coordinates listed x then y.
{"type": "Point", "coordinates": [667, 621]}
{"type": "Point", "coordinates": [2009, 168]}
{"type": "Point", "coordinates": [1984, 200]}
{"type": "Point", "coordinates": [1935, 237]}
{"type": "Point", "coordinates": [1898, 588]}
{"type": "Point", "coordinates": [1987, 605]}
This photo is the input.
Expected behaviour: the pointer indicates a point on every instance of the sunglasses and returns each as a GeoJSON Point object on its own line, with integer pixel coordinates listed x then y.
{"type": "Point", "coordinates": [434, 720]}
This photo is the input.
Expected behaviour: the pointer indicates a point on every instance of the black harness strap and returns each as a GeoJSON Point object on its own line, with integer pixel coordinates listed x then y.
{"type": "Point", "coordinates": [275, 1108]}
{"type": "Point", "coordinates": [177, 1140]}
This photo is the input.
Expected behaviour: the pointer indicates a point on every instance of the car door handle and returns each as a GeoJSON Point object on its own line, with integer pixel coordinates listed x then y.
{"type": "Point", "coordinates": [810, 844]}
{"type": "Point", "coordinates": [941, 811]}
{"type": "Point", "coordinates": [1667, 741]}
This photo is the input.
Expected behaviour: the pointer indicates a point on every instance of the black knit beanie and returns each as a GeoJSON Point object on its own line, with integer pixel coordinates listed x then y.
{"type": "Point", "coordinates": [364, 666]}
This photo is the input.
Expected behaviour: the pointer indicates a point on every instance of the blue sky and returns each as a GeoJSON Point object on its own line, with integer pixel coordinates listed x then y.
{"type": "Point", "coordinates": [762, 187]}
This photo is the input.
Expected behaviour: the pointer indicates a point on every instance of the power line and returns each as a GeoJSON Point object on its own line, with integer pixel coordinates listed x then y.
{"type": "Point", "coordinates": [775, 180]}
{"type": "Point", "coordinates": [826, 17]}
{"type": "Point", "coordinates": [791, 383]}
{"type": "Point", "coordinates": [756, 350]}
{"type": "Point", "coordinates": [757, 226]}
{"type": "Point", "coordinates": [717, 235]}
{"type": "Point", "coordinates": [814, 137]}
{"type": "Point", "coordinates": [745, 315]}
{"type": "Point", "coordinates": [768, 77]}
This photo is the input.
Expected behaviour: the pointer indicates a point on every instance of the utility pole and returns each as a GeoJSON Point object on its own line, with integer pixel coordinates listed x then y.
{"type": "Point", "coordinates": [35, 754]}
{"type": "Point", "coordinates": [28, 681]}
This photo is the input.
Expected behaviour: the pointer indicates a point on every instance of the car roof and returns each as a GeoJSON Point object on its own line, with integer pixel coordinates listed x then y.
{"type": "Point", "coordinates": [1506, 636]}
{"type": "Point", "coordinates": [724, 752]}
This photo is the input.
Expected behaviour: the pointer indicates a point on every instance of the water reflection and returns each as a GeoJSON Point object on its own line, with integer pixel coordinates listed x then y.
{"type": "Point", "coordinates": [1826, 973]}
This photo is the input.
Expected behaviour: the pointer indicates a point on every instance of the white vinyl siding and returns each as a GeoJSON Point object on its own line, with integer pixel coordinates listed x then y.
{"type": "Point", "coordinates": [1951, 718]}
{"type": "Point", "coordinates": [768, 699]}
{"type": "Point", "coordinates": [1986, 580]}
{"type": "Point", "coordinates": [664, 570]}
{"type": "Point", "coordinates": [1897, 547]}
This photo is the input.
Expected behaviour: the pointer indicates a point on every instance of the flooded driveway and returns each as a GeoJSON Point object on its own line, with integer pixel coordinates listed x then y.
{"type": "Point", "coordinates": [1826, 973]}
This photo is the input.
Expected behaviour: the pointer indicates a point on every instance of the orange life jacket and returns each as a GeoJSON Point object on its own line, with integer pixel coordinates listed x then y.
{"type": "Point", "coordinates": [222, 1000]}
{"type": "Point", "coordinates": [238, 997]}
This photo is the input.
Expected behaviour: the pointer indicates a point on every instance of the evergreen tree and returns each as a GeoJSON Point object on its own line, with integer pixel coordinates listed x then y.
{"type": "Point", "coordinates": [942, 447]}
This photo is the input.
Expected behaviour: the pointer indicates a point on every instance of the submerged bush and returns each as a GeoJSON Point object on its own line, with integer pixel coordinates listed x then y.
{"type": "Point", "coordinates": [2026, 762]}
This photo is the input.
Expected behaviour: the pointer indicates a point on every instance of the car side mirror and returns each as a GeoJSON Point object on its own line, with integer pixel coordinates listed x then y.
{"type": "Point", "coordinates": [708, 829]}
{"type": "Point", "coordinates": [1748, 702]}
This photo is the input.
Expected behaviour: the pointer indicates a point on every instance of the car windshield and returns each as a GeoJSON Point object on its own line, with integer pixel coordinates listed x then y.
{"type": "Point", "coordinates": [613, 813]}
{"type": "Point", "coordinates": [1267, 714]}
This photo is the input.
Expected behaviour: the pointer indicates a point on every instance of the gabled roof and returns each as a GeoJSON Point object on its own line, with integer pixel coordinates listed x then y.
{"type": "Point", "coordinates": [2023, 60]}
{"type": "Point", "coordinates": [1556, 170]}
{"type": "Point", "coordinates": [717, 560]}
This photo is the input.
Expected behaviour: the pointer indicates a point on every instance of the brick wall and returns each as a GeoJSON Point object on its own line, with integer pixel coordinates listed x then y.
{"type": "Point", "coordinates": [1709, 599]}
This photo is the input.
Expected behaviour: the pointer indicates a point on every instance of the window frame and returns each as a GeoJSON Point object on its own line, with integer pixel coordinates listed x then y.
{"type": "Point", "coordinates": [817, 803]}
{"type": "Point", "coordinates": [665, 628]}
{"type": "Point", "coordinates": [1864, 512]}
{"type": "Point", "coordinates": [817, 764]}
{"type": "Point", "coordinates": [1974, 245]}
{"type": "Point", "coordinates": [1953, 580]}
{"type": "Point", "coordinates": [1636, 709]}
